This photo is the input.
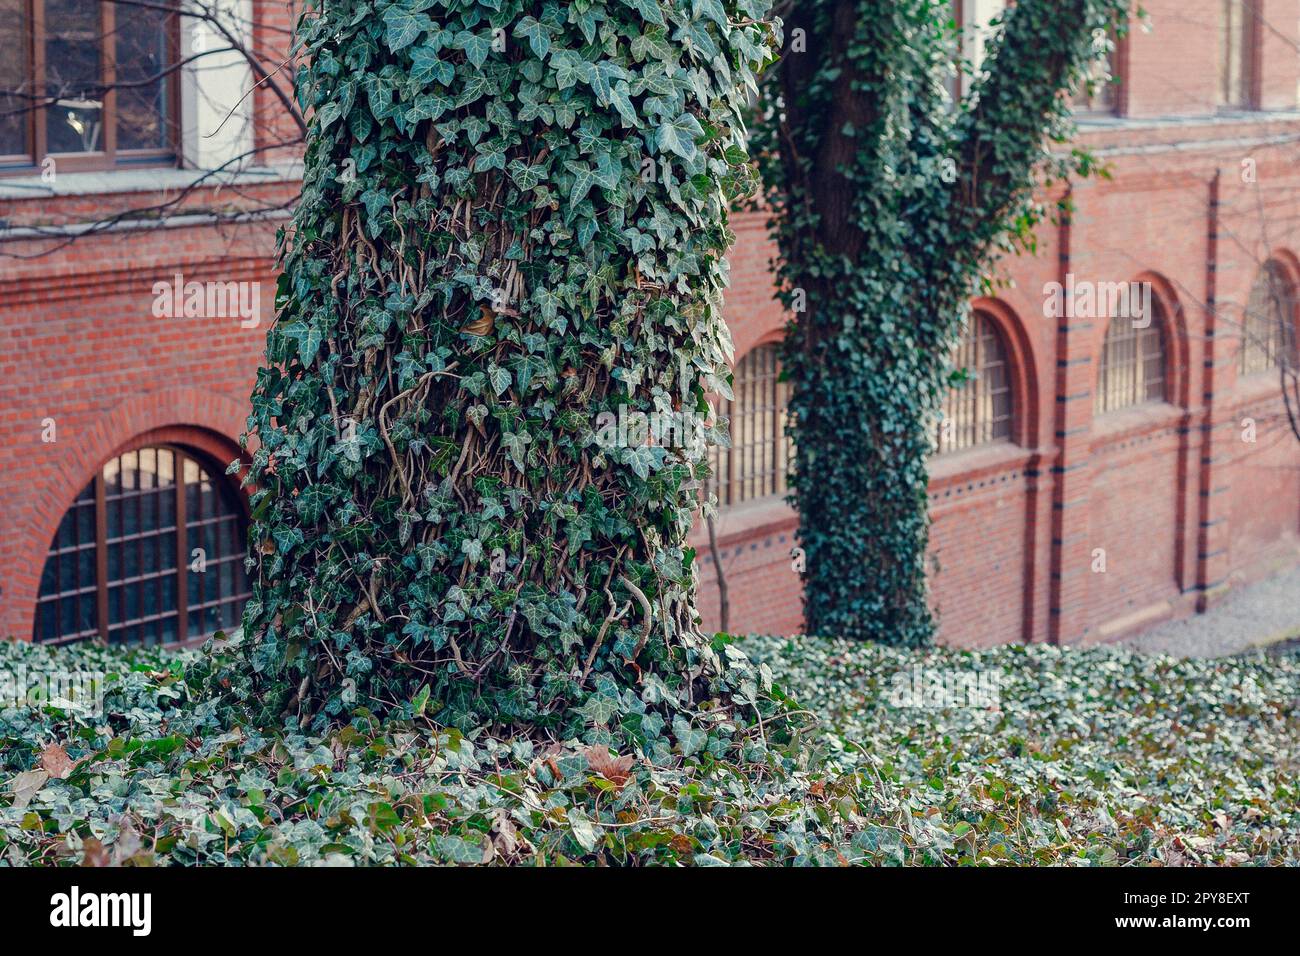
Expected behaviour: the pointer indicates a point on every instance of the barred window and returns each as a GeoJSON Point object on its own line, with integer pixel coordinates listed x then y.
{"type": "Point", "coordinates": [1268, 332]}
{"type": "Point", "coordinates": [151, 552]}
{"type": "Point", "coordinates": [755, 464]}
{"type": "Point", "coordinates": [979, 410]}
{"type": "Point", "coordinates": [1132, 369]}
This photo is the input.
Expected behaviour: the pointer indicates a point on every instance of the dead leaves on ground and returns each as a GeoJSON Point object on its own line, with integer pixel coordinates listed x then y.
{"type": "Point", "coordinates": [616, 770]}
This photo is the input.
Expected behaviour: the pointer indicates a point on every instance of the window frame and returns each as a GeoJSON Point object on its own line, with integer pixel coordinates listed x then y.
{"type": "Point", "coordinates": [110, 157]}
{"type": "Point", "coordinates": [744, 483]}
{"type": "Point", "coordinates": [100, 632]}
{"type": "Point", "coordinates": [1278, 351]}
{"type": "Point", "coordinates": [1111, 99]}
{"type": "Point", "coordinates": [1159, 330]}
{"type": "Point", "coordinates": [981, 319]}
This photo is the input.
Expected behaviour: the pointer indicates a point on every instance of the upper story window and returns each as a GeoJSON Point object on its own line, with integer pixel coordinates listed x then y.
{"type": "Point", "coordinates": [151, 552]}
{"type": "Point", "coordinates": [1268, 329]}
{"type": "Point", "coordinates": [1097, 92]}
{"type": "Point", "coordinates": [755, 464]}
{"type": "Point", "coordinates": [1236, 54]}
{"type": "Point", "coordinates": [975, 23]}
{"type": "Point", "coordinates": [88, 83]}
{"type": "Point", "coordinates": [978, 411]}
{"type": "Point", "coordinates": [1132, 368]}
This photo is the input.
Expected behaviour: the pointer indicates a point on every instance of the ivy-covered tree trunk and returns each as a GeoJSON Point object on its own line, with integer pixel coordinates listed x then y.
{"type": "Point", "coordinates": [510, 243]}
{"type": "Point", "coordinates": [888, 204]}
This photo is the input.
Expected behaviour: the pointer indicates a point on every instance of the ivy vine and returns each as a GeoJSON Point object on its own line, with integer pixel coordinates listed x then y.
{"type": "Point", "coordinates": [513, 221]}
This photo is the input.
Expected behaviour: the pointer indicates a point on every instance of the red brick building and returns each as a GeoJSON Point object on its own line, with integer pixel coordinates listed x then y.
{"type": "Point", "coordinates": [1100, 472]}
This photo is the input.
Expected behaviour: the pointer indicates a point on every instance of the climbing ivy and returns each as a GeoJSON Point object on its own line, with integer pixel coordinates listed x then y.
{"type": "Point", "coordinates": [511, 231]}
{"type": "Point", "coordinates": [890, 205]}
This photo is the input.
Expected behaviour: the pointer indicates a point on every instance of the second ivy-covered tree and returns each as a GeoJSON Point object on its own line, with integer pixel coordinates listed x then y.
{"type": "Point", "coordinates": [889, 203]}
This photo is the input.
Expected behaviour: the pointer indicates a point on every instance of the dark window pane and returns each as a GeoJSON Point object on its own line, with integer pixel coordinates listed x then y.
{"type": "Point", "coordinates": [73, 79]}
{"type": "Point", "coordinates": [68, 571]}
{"type": "Point", "coordinates": [47, 622]}
{"type": "Point", "coordinates": [86, 567]}
{"type": "Point", "coordinates": [115, 606]}
{"type": "Point", "coordinates": [49, 578]}
{"type": "Point", "coordinates": [86, 521]}
{"type": "Point", "coordinates": [141, 57]}
{"type": "Point", "coordinates": [113, 509]}
{"type": "Point", "coordinates": [149, 512]}
{"type": "Point", "coordinates": [15, 80]}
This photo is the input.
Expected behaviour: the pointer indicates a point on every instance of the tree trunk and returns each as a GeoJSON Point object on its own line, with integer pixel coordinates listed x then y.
{"type": "Point", "coordinates": [481, 424]}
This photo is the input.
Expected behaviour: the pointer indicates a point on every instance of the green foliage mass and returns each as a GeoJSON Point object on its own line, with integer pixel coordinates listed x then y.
{"type": "Point", "coordinates": [1090, 757]}
{"type": "Point", "coordinates": [890, 204]}
{"type": "Point", "coordinates": [513, 220]}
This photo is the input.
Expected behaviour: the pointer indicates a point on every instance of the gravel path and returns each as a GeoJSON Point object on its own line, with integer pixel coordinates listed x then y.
{"type": "Point", "coordinates": [1256, 615]}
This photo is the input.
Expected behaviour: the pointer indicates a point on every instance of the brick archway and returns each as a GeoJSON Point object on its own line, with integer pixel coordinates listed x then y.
{"type": "Point", "coordinates": [202, 420]}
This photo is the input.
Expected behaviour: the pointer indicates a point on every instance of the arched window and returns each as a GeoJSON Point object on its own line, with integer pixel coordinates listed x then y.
{"type": "Point", "coordinates": [1132, 369]}
{"type": "Point", "coordinates": [755, 464]}
{"type": "Point", "coordinates": [151, 552]}
{"type": "Point", "coordinates": [979, 410]}
{"type": "Point", "coordinates": [1267, 333]}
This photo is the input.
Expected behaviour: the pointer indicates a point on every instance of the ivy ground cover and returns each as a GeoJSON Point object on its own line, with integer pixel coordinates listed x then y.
{"type": "Point", "coordinates": [1010, 756]}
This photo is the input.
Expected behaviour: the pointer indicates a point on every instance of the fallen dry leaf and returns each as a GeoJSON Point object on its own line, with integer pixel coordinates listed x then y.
{"type": "Point", "coordinates": [56, 762]}
{"type": "Point", "coordinates": [93, 853]}
{"type": "Point", "coordinates": [25, 786]}
{"type": "Point", "coordinates": [614, 769]}
{"type": "Point", "coordinates": [126, 845]}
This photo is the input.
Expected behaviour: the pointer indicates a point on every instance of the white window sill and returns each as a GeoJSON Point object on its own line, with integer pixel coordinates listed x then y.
{"type": "Point", "coordinates": [141, 180]}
